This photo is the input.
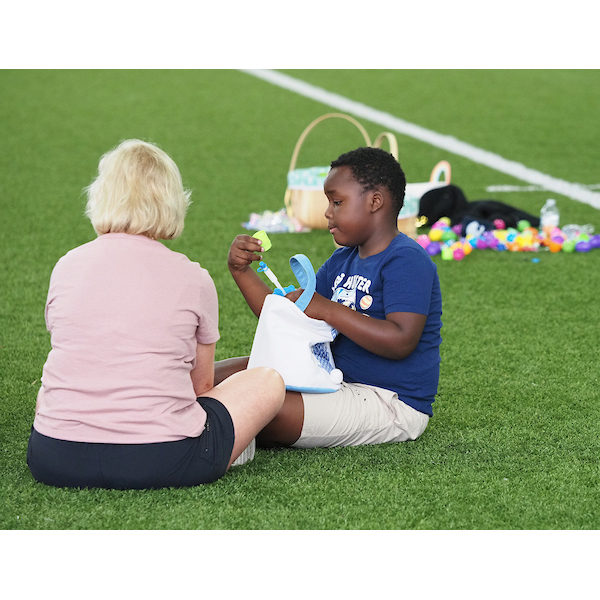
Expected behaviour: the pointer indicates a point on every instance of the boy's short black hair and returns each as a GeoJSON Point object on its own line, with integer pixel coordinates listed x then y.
{"type": "Point", "coordinates": [373, 168]}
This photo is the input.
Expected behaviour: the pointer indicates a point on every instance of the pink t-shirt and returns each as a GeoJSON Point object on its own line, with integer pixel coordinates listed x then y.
{"type": "Point", "coordinates": [125, 313]}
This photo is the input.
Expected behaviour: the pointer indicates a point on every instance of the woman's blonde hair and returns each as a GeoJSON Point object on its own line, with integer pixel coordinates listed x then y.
{"type": "Point", "coordinates": [138, 190]}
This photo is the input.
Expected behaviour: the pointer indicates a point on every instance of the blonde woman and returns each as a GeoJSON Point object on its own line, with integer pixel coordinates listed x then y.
{"type": "Point", "coordinates": [128, 397]}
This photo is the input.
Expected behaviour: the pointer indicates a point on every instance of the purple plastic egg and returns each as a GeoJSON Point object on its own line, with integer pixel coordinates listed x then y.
{"type": "Point", "coordinates": [584, 246]}
{"type": "Point", "coordinates": [433, 249]}
{"type": "Point", "coordinates": [595, 241]}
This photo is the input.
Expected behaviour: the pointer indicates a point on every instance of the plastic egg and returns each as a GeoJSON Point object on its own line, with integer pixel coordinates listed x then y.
{"type": "Point", "coordinates": [554, 247]}
{"type": "Point", "coordinates": [526, 236]}
{"type": "Point", "coordinates": [583, 246]}
{"type": "Point", "coordinates": [435, 235]}
{"type": "Point", "coordinates": [458, 254]}
{"type": "Point", "coordinates": [499, 224]}
{"type": "Point", "coordinates": [523, 224]}
{"type": "Point", "coordinates": [568, 246]}
{"type": "Point", "coordinates": [447, 253]}
{"type": "Point", "coordinates": [448, 235]}
{"type": "Point", "coordinates": [433, 249]}
{"type": "Point", "coordinates": [423, 240]}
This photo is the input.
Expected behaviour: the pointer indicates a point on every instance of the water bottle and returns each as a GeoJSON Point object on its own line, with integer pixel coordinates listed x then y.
{"type": "Point", "coordinates": [549, 216]}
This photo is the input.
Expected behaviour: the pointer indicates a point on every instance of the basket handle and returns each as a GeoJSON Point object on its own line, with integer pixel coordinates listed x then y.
{"type": "Point", "coordinates": [442, 167]}
{"type": "Point", "coordinates": [315, 123]}
{"type": "Point", "coordinates": [287, 199]}
{"type": "Point", "coordinates": [391, 139]}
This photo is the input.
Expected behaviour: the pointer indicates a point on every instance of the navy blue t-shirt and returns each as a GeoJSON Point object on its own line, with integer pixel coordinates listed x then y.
{"type": "Point", "coordinates": [402, 278]}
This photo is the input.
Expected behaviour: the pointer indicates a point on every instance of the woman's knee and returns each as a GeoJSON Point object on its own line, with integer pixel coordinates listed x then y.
{"type": "Point", "coordinates": [269, 380]}
{"type": "Point", "coordinates": [259, 390]}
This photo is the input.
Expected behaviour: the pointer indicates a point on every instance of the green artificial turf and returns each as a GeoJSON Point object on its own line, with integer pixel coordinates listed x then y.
{"type": "Point", "coordinates": [514, 442]}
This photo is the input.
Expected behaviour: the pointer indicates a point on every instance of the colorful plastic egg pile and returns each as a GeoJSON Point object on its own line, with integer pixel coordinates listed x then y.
{"type": "Point", "coordinates": [447, 241]}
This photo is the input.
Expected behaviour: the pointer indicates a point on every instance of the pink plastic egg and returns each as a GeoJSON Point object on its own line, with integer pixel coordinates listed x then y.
{"type": "Point", "coordinates": [423, 240]}
{"type": "Point", "coordinates": [458, 254]}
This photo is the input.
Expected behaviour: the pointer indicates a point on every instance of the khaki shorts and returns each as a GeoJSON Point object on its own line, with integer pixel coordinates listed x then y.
{"type": "Point", "coordinates": [358, 414]}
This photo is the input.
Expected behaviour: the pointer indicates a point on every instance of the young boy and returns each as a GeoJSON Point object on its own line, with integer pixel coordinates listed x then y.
{"type": "Point", "coordinates": [381, 292]}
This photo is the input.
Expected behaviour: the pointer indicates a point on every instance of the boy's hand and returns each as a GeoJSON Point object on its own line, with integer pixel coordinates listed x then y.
{"type": "Point", "coordinates": [316, 306]}
{"type": "Point", "coordinates": [293, 296]}
{"type": "Point", "coordinates": [244, 250]}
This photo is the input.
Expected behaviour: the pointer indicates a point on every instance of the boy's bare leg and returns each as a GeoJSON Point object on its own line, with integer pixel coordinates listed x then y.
{"type": "Point", "coordinates": [286, 426]}
{"type": "Point", "coordinates": [229, 366]}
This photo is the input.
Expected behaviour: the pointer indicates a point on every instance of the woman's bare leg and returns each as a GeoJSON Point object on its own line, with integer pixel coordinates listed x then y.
{"type": "Point", "coordinates": [253, 398]}
{"type": "Point", "coordinates": [286, 426]}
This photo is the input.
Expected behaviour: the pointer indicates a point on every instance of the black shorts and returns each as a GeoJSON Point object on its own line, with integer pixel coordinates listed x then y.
{"type": "Point", "coordinates": [183, 463]}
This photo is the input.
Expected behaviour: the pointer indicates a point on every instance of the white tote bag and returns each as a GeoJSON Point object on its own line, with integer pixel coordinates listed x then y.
{"type": "Point", "coordinates": [292, 343]}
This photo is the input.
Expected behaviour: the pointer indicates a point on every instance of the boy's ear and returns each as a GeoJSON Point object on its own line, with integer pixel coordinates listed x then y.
{"type": "Point", "coordinates": [376, 200]}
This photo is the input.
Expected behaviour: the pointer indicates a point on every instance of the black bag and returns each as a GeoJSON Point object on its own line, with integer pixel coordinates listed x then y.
{"type": "Point", "coordinates": [450, 201]}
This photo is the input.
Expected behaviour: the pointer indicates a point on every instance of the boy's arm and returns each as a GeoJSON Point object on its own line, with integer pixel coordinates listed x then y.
{"type": "Point", "coordinates": [242, 253]}
{"type": "Point", "coordinates": [396, 337]}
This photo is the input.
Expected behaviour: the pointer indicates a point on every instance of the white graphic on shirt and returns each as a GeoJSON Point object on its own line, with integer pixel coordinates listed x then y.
{"type": "Point", "coordinates": [345, 297]}
{"type": "Point", "coordinates": [345, 293]}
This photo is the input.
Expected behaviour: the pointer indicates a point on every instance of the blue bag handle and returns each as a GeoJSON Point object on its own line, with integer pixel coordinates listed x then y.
{"type": "Point", "coordinates": [305, 274]}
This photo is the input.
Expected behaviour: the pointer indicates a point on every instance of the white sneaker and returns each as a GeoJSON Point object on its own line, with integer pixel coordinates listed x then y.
{"type": "Point", "coordinates": [246, 456]}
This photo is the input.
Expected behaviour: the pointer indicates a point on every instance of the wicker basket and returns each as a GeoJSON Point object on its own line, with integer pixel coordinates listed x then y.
{"type": "Point", "coordinates": [304, 196]}
{"type": "Point", "coordinates": [306, 201]}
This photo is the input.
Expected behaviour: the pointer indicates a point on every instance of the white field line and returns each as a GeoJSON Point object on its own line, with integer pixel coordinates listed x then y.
{"type": "Point", "coordinates": [446, 142]}
{"type": "Point", "coordinates": [531, 188]}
